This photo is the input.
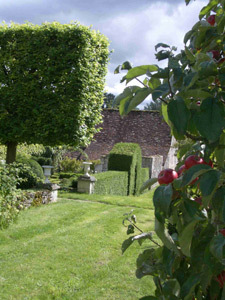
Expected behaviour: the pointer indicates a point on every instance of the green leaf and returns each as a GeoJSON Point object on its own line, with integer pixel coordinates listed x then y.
{"type": "Point", "coordinates": [196, 94]}
{"type": "Point", "coordinates": [161, 55]}
{"type": "Point", "coordinates": [189, 285]}
{"type": "Point", "coordinates": [145, 265]}
{"type": "Point", "coordinates": [161, 45]}
{"type": "Point", "coordinates": [162, 73]}
{"type": "Point", "coordinates": [126, 66]}
{"type": "Point", "coordinates": [185, 238]}
{"type": "Point", "coordinates": [162, 198]}
{"type": "Point", "coordinates": [190, 79]}
{"type": "Point", "coordinates": [171, 287]}
{"type": "Point", "coordinates": [178, 115]}
{"type": "Point", "coordinates": [220, 152]}
{"type": "Point", "coordinates": [217, 246]}
{"type": "Point", "coordinates": [189, 54]}
{"type": "Point", "coordinates": [141, 70]}
{"type": "Point", "coordinates": [207, 68]}
{"type": "Point", "coordinates": [208, 182]}
{"type": "Point", "coordinates": [206, 9]}
{"type": "Point", "coordinates": [164, 110]}
{"type": "Point", "coordinates": [126, 94]}
{"type": "Point", "coordinates": [187, 1]}
{"type": "Point", "coordinates": [161, 91]}
{"type": "Point", "coordinates": [209, 121]}
{"type": "Point", "coordinates": [148, 184]}
{"type": "Point", "coordinates": [140, 96]}
{"type": "Point", "coordinates": [117, 70]}
{"type": "Point", "coordinates": [154, 83]}
{"type": "Point", "coordinates": [218, 203]}
{"type": "Point", "coordinates": [187, 36]}
{"type": "Point", "coordinates": [165, 237]}
{"type": "Point", "coordinates": [194, 172]}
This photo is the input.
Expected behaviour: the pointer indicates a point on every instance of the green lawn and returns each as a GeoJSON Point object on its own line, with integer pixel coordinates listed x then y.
{"type": "Point", "coordinates": [72, 250]}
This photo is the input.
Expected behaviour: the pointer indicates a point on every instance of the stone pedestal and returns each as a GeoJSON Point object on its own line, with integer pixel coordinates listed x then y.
{"type": "Point", "coordinates": [86, 184]}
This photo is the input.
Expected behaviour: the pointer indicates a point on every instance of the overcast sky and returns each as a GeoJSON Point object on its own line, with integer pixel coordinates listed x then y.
{"type": "Point", "coordinates": [133, 27]}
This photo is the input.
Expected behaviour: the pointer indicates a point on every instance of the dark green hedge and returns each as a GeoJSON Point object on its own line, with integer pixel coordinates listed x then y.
{"type": "Point", "coordinates": [111, 183]}
{"type": "Point", "coordinates": [144, 175]}
{"type": "Point", "coordinates": [127, 157]}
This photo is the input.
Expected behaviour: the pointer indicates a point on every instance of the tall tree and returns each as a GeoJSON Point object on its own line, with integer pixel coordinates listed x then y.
{"type": "Point", "coordinates": [109, 100]}
{"type": "Point", "coordinates": [51, 84]}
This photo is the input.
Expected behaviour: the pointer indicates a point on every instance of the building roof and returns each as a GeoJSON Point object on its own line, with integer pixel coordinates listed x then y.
{"type": "Point", "coordinates": [146, 128]}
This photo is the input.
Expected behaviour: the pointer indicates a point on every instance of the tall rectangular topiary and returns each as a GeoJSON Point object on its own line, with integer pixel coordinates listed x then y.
{"type": "Point", "coordinates": [127, 157]}
{"type": "Point", "coordinates": [52, 78]}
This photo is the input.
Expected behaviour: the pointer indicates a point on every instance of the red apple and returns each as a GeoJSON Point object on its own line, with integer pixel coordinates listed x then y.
{"type": "Point", "coordinates": [167, 176]}
{"type": "Point", "coordinates": [193, 160]}
{"type": "Point", "coordinates": [221, 279]}
{"type": "Point", "coordinates": [181, 170]}
{"type": "Point", "coordinates": [211, 20]}
{"type": "Point", "coordinates": [222, 231]}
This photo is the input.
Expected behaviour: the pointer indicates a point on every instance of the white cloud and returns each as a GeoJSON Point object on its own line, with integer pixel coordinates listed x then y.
{"type": "Point", "coordinates": [135, 34]}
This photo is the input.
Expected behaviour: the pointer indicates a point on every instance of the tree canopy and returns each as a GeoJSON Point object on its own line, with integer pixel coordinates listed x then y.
{"type": "Point", "coordinates": [51, 83]}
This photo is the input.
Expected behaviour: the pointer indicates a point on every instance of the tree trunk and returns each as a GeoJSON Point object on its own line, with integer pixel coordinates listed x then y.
{"type": "Point", "coordinates": [11, 152]}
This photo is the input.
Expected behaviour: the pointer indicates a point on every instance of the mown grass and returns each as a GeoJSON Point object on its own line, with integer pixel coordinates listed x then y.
{"type": "Point", "coordinates": [143, 201]}
{"type": "Point", "coordinates": [72, 250]}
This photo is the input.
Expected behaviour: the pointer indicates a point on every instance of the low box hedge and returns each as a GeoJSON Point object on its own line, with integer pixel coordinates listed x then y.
{"type": "Point", "coordinates": [111, 183]}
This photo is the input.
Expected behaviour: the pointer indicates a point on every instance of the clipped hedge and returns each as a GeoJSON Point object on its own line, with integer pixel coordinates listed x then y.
{"type": "Point", "coordinates": [127, 157]}
{"type": "Point", "coordinates": [111, 183]}
{"type": "Point", "coordinates": [144, 175]}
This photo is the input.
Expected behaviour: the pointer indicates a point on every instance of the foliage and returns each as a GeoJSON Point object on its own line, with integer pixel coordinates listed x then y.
{"type": "Point", "coordinates": [189, 212]}
{"type": "Point", "coordinates": [71, 165]}
{"type": "Point", "coordinates": [127, 157]}
{"type": "Point", "coordinates": [9, 195]}
{"type": "Point", "coordinates": [30, 171]}
{"type": "Point", "coordinates": [144, 175]}
{"type": "Point", "coordinates": [111, 183]}
{"type": "Point", "coordinates": [48, 94]}
{"type": "Point", "coordinates": [108, 100]}
{"type": "Point", "coordinates": [32, 149]}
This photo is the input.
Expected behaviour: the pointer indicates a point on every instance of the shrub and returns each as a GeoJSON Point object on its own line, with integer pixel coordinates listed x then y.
{"type": "Point", "coordinates": [65, 175]}
{"type": "Point", "coordinates": [111, 183]}
{"type": "Point", "coordinates": [144, 175]}
{"type": "Point", "coordinates": [71, 165]}
{"type": "Point", "coordinates": [127, 157]}
{"type": "Point", "coordinates": [9, 195]}
{"type": "Point", "coordinates": [43, 161]}
{"type": "Point", "coordinates": [30, 171]}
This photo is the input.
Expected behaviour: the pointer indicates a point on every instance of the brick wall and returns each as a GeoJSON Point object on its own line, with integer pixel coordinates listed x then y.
{"type": "Point", "coordinates": [143, 127]}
